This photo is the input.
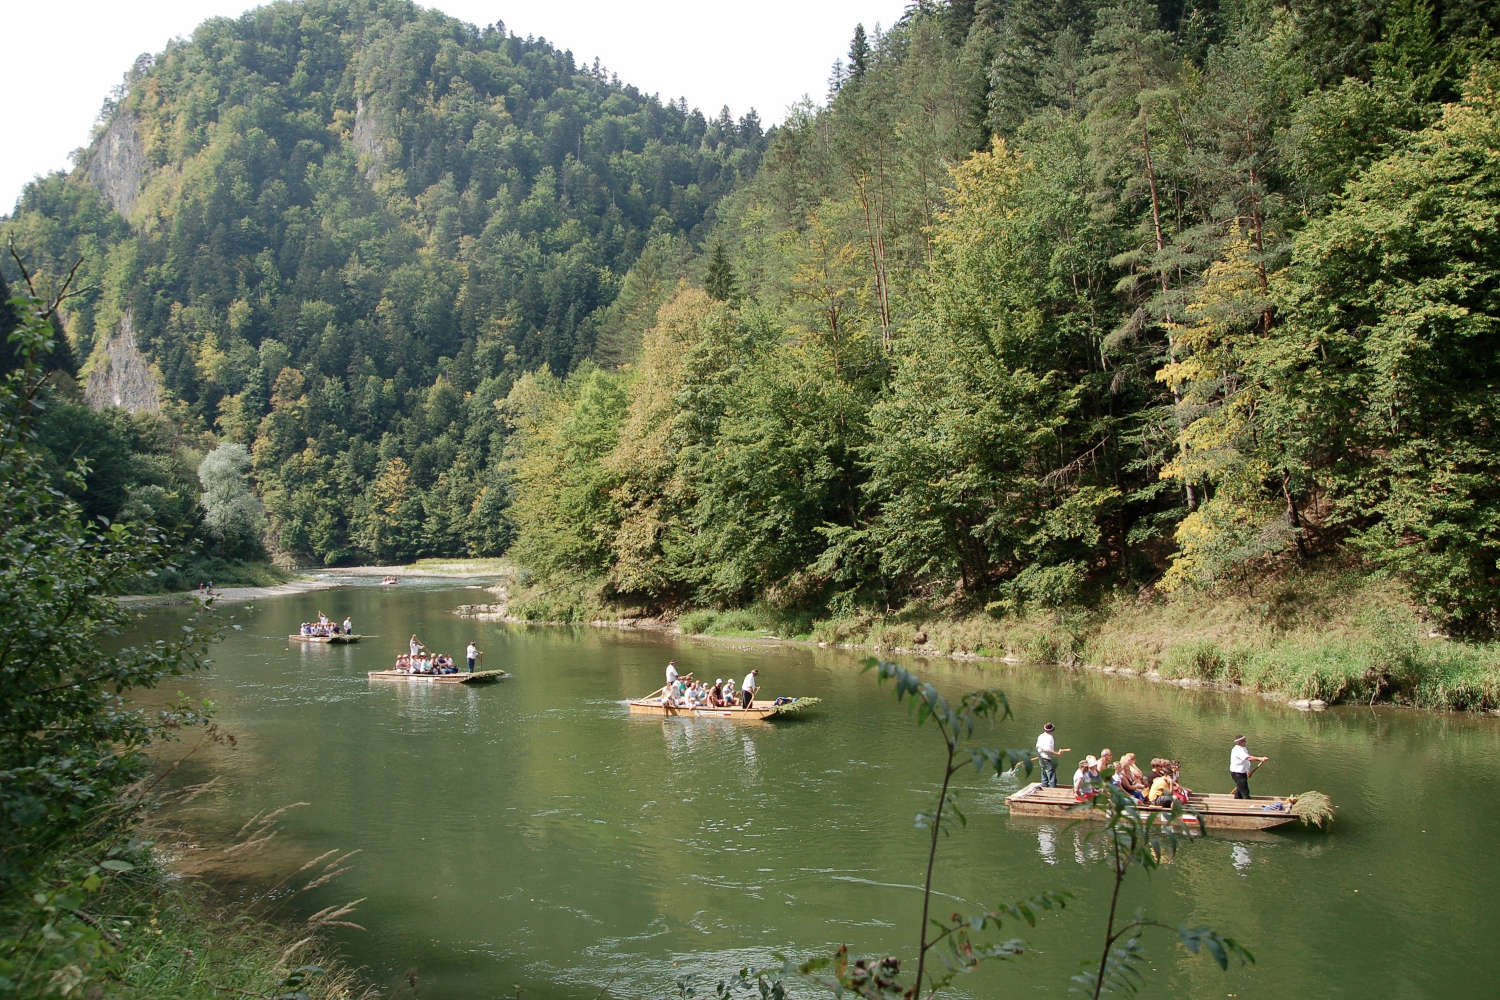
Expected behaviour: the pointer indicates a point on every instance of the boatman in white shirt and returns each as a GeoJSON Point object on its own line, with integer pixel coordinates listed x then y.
{"type": "Point", "coordinates": [1046, 750]}
{"type": "Point", "coordinates": [1241, 765]}
{"type": "Point", "coordinates": [473, 654]}
{"type": "Point", "coordinates": [671, 673]}
{"type": "Point", "coordinates": [348, 626]}
{"type": "Point", "coordinates": [748, 689]}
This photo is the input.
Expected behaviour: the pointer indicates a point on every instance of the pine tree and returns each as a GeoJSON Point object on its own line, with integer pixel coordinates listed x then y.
{"type": "Point", "coordinates": [718, 280]}
{"type": "Point", "coordinates": [859, 53]}
{"type": "Point", "coordinates": [957, 17]}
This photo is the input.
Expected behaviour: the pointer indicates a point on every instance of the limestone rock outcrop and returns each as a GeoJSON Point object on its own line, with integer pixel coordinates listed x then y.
{"type": "Point", "coordinates": [121, 376]}
{"type": "Point", "coordinates": [119, 168]}
{"type": "Point", "coordinates": [366, 139]}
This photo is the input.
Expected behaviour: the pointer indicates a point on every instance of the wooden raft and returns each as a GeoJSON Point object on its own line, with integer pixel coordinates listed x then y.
{"type": "Point", "coordinates": [463, 677]}
{"type": "Point", "coordinates": [759, 711]}
{"type": "Point", "coordinates": [1209, 811]}
{"type": "Point", "coordinates": [335, 640]}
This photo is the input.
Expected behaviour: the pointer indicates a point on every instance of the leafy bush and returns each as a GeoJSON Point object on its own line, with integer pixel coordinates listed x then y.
{"type": "Point", "coordinates": [68, 740]}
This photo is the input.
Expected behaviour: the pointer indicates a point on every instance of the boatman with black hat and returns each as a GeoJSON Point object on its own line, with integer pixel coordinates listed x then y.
{"type": "Point", "coordinates": [1046, 750]}
{"type": "Point", "coordinates": [1242, 764]}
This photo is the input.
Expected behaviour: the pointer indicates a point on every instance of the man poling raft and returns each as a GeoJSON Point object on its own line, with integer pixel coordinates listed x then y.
{"type": "Point", "coordinates": [1241, 767]}
{"type": "Point", "coordinates": [683, 695]}
{"type": "Point", "coordinates": [1047, 753]}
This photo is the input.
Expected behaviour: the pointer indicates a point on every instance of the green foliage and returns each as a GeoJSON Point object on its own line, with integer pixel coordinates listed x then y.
{"type": "Point", "coordinates": [1132, 838]}
{"type": "Point", "coordinates": [718, 279]}
{"type": "Point", "coordinates": [231, 512]}
{"type": "Point", "coordinates": [406, 211]}
{"type": "Point", "coordinates": [564, 507]}
{"type": "Point", "coordinates": [106, 915]}
{"type": "Point", "coordinates": [68, 738]}
{"type": "Point", "coordinates": [1022, 375]}
{"type": "Point", "coordinates": [1044, 301]}
{"type": "Point", "coordinates": [1381, 383]}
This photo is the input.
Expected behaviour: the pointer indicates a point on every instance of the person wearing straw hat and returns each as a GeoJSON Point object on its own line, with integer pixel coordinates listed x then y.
{"type": "Point", "coordinates": [1242, 764]}
{"type": "Point", "coordinates": [1046, 751]}
{"type": "Point", "coordinates": [1084, 778]}
{"type": "Point", "coordinates": [672, 673]}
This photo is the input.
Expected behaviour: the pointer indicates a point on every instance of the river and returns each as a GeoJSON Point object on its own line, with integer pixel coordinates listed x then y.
{"type": "Point", "coordinates": [532, 834]}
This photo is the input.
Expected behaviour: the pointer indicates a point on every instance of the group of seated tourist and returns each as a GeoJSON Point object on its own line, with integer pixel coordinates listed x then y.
{"type": "Point", "coordinates": [324, 628]}
{"type": "Point", "coordinates": [425, 663]}
{"type": "Point", "coordinates": [1162, 787]}
{"type": "Point", "coordinates": [685, 692]}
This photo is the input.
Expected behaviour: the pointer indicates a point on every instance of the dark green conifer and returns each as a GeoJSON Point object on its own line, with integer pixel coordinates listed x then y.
{"type": "Point", "coordinates": [859, 53]}
{"type": "Point", "coordinates": [718, 280]}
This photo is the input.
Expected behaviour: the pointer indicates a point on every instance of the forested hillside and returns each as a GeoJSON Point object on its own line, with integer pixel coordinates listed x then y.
{"type": "Point", "coordinates": [1051, 298]}
{"type": "Point", "coordinates": [340, 228]}
{"type": "Point", "coordinates": [1041, 300]}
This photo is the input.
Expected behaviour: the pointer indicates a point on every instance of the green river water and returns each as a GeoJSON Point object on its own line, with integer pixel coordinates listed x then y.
{"type": "Point", "coordinates": [534, 834]}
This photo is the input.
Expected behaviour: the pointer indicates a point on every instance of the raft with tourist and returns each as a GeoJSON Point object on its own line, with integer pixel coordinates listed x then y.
{"type": "Point", "coordinates": [684, 697]}
{"type": "Point", "coordinates": [1203, 811]}
{"type": "Point", "coordinates": [1162, 790]}
{"type": "Point", "coordinates": [462, 677]}
{"type": "Point", "coordinates": [330, 632]}
{"type": "Point", "coordinates": [420, 664]}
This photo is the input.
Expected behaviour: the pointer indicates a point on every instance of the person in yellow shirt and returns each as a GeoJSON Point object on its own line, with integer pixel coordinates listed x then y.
{"type": "Point", "coordinates": [1162, 784]}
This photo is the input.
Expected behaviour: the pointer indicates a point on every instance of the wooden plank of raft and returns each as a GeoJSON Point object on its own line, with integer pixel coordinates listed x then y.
{"type": "Point", "coordinates": [1215, 811]}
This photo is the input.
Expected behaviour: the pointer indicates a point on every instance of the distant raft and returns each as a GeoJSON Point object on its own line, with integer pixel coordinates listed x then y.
{"type": "Point", "coordinates": [759, 711]}
{"type": "Point", "coordinates": [463, 677]}
{"type": "Point", "coordinates": [333, 640]}
{"type": "Point", "coordinates": [1209, 812]}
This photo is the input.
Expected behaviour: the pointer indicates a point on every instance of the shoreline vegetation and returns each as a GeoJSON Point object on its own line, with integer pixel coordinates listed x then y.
{"type": "Point", "coordinates": [153, 934]}
{"type": "Point", "coordinates": [87, 907]}
{"type": "Point", "coordinates": [297, 582]}
{"type": "Point", "coordinates": [1329, 636]}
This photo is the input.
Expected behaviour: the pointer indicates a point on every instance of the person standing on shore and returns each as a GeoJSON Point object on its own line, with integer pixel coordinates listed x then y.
{"type": "Point", "coordinates": [1046, 751]}
{"type": "Point", "coordinates": [473, 653]}
{"type": "Point", "coordinates": [1241, 765]}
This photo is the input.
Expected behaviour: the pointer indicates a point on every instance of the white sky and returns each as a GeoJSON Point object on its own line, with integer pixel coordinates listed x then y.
{"type": "Point", "coordinates": [60, 63]}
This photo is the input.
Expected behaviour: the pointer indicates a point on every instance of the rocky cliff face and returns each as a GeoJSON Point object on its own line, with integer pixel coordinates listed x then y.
{"type": "Point", "coordinates": [366, 139]}
{"type": "Point", "coordinates": [119, 168]}
{"type": "Point", "coordinates": [121, 376]}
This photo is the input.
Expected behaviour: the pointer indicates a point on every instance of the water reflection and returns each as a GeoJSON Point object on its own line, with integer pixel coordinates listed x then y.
{"type": "Point", "coordinates": [1046, 843]}
{"type": "Point", "coordinates": [571, 844]}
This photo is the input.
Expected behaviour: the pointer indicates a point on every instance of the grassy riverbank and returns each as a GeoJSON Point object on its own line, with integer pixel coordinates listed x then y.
{"type": "Point", "coordinates": [1339, 637]}
{"type": "Point", "coordinates": [143, 934]}
{"type": "Point", "coordinates": [1333, 634]}
{"type": "Point", "coordinates": [222, 572]}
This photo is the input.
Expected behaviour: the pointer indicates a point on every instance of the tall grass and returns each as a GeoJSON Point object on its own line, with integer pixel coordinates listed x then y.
{"type": "Point", "coordinates": [222, 572]}
{"type": "Point", "coordinates": [1334, 635]}
{"type": "Point", "coordinates": [758, 620]}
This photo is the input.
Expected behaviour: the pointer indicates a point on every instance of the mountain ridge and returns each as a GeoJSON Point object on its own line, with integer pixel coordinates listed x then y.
{"type": "Point", "coordinates": [392, 204]}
